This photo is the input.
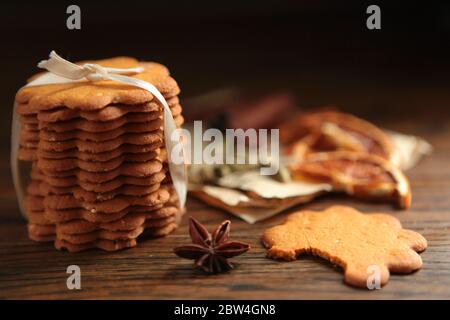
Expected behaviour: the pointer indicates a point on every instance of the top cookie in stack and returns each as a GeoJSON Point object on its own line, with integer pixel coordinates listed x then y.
{"type": "Point", "coordinates": [99, 177]}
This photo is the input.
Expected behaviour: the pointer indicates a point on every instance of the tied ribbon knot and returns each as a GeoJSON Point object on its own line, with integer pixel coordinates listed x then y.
{"type": "Point", "coordinates": [92, 72]}
{"type": "Point", "coordinates": [63, 71]}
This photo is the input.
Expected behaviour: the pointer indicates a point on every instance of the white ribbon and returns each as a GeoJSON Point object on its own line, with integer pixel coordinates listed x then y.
{"type": "Point", "coordinates": [63, 71]}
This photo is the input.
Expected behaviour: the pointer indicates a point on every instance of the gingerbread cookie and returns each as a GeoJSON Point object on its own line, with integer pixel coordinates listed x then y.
{"type": "Point", "coordinates": [156, 232]}
{"type": "Point", "coordinates": [130, 227]}
{"type": "Point", "coordinates": [95, 166]}
{"type": "Point", "coordinates": [99, 173]}
{"type": "Point", "coordinates": [97, 126]}
{"type": "Point", "coordinates": [105, 186]}
{"type": "Point", "coordinates": [80, 232]}
{"type": "Point", "coordinates": [133, 169]}
{"type": "Point", "coordinates": [92, 96]}
{"type": "Point", "coordinates": [100, 126]}
{"type": "Point", "coordinates": [118, 203]}
{"type": "Point", "coordinates": [108, 113]}
{"type": "Point", "coordinates": [90, 196]}
{"type": "Point", "coordinates": [127, 149]}
{"type": "Point", "coordinates": [107, 245]}
{"type": "Point", "coordinates": [94, 147]}
{"type": "Point", "coordinates": [128, 222]}
{"type": "Point", "coordinates": [60, 216]}
{"type": "Point", "coordinates": [113, 245]}
{"type": "Point", "coordinates": [144, 127]}
{"type": "Point", "coordinates": [357, 242]}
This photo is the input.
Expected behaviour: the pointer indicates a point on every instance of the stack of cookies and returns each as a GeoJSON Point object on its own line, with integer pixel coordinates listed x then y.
{"type": "Point", "coordinates": [99, 176]}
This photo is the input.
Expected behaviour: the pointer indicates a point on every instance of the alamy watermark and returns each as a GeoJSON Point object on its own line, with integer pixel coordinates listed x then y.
{"type": "Point", "coordinates": [373, 22]}
{"type": "Point", "coordinates": [235, 146]}
{"type": "Point", "coordinates": [374, 277]}
{"type": "Point", "coordinates": [73, 21]}
{"type": "Point", "coordinates": [74, 280]}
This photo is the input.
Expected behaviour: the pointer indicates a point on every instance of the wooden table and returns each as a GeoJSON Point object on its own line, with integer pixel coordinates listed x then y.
{"type": "Point", "coordinates": [32, 270]}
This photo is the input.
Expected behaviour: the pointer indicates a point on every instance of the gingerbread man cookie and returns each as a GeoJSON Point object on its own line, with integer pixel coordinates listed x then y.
{"type": "Point", "coordinates": [359, 243]}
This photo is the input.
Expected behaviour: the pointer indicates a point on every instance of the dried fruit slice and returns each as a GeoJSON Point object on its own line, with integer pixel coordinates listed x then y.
{"type": "Point", "coordinates": [358, 174]}
{"type": "Point", "coordinates": [336, 131]}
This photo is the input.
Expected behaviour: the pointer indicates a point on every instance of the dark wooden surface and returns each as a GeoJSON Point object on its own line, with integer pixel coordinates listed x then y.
{"type": "Point", "coordinates": [151, 271]}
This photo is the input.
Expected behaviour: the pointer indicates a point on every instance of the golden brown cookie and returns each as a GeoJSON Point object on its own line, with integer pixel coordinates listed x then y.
{"type": "Point", "coordinates": [105, 186]}
{"type": "Point", "coordinates": [30, 147]}
{"type": "Point", "coordinates": [98, 126]}
{"type": "Point", "coordinates": [41, 230]}
{"type": "Point", "coordinates": [82, 238]}
{"type": "Point", "coordinates": [159, 222]}
{"type": "Point", "coordinates": [80, 234]}
{"type": "Point", "coordinates": [160, 232]}
{"type": "Point", "coordinates": [86, 142]}
{"type": "Point", "coordinates": [98, 160]}
{"type": "Point", "coordinates": [127, 149]}
{"type": "Point", "coordinates": [91, 96]}
{"type": "Point", "coordinates": [128, 222]}
{"type": "Point", "coordinates": [108, 113]}
{"type": "Point", "coordinates": [29, 120]}
{"type": "Point", "coordinates": [27, 154]}
{"type": "Point", "coordinates": [39, 227]}
{"type": "Point", "coordinates": [34, 203]}
{"type": "Point", "coordinates": [37, 217]}
{"type": "Point", "coordinates": [144, 127]}
{"type": "Point", "coordinates": [132, 169]}
{"type": "Point", "coordinates": [95, 166]}
{"type": "Point", "coordinates": [118, 203]}
{"type": "Point", "coordinates": [94, 147]}
{"type": "Point", "coordinates": [115, 240]}
{"type": "Point", "coordinates": [107, 245]}
{"type": "Point", "coordinates": [59, 216]}
{"type": "Point", "coordinates": [90, 196]}
{"type": "Point", "coordinates": [41, 238]}
{"type": "Point", "coordinates": [357, 242]}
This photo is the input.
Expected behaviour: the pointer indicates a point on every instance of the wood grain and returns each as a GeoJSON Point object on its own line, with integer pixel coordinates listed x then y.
{"type": "Point", "coordinates": [31, 270]}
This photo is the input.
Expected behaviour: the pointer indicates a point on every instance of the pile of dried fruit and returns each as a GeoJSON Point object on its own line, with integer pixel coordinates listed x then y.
{"type": "Point", "coordinates": [351, 154]}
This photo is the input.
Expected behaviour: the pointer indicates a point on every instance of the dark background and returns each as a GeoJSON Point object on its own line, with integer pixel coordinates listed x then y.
{"type": "Point", "coordinates": [319, 50]}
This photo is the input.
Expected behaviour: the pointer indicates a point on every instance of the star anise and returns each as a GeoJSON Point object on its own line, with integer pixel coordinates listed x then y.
{"type": "Point", "coordinates": [211, 252]}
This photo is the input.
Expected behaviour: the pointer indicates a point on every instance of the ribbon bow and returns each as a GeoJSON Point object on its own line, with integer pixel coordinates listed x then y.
{"type": "Point", "coordinates": [63, 71]}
